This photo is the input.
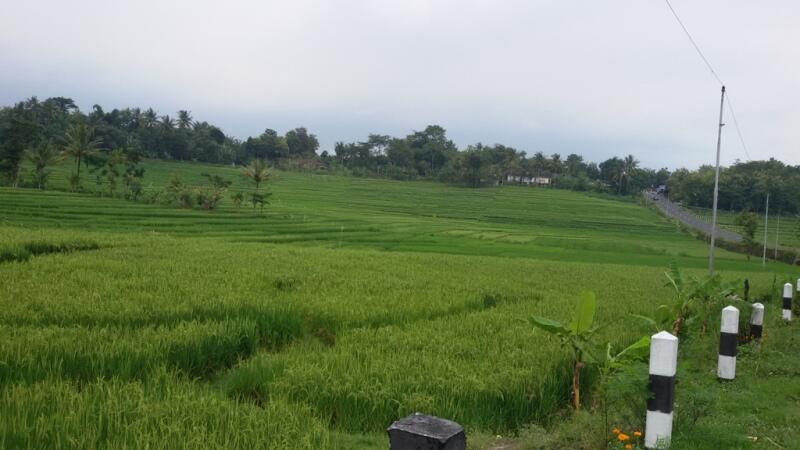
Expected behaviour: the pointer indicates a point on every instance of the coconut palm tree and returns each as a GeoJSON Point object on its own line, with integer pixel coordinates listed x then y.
{"type": "Point", "coordinates": [80, 143]}
{"type": "Point", "coordinates": [539, 162]}
{"type": "Point", "coordinates": [629, 164]}
{"type": "Point", "coordinates": [184, 119]}
{"type": "Point", "coordinates": [41, 156]}
{"type": "Point", "coordinates": [167, 123]}
{"type": "Point", "coordinates": [148, 118]}
{"type": "Point", "coordinates": [257, 171]}
{"type": "Point", "coordinates": [556, 165]}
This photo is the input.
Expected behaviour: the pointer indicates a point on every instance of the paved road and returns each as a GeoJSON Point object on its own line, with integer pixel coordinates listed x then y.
{"type": "Point", "coordinates": [677, 212]}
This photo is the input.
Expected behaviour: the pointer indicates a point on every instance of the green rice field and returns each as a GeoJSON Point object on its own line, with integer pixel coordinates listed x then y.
{"type": "Point", "coordinates": [346, 304]}
{"type": "Point", "coordinates": [781, 229]}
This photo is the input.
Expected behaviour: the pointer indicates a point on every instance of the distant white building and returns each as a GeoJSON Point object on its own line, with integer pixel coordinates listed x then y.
{"type": "Point", "coordinates": [539, 181]}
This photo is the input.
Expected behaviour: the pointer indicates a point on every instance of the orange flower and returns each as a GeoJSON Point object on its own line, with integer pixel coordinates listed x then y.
{"type": "Point", "coordinates": [623, 437]}
{"type": "Point", "coordinates": [628, 447]}
{"type": "Point", "coordinates": [637, 433]}
{"type": "Point", "coordinates": [615, 430]}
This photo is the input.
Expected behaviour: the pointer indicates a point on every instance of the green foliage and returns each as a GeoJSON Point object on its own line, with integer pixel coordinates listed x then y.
{"type": "Point", "coordinates": [635, 351]}
{"type": "Point", "coordinates": [693, 297]}
{"type": "Point", "coordinates": [620, 390]}
{"type": "Point", "coordinates": [300, 143]}
{"type": "Point", "coordinates": [111, 171]}
{"type": "Point", "coordinates": [177, 192]}
{"type": "Point", "coordinates": [743, 186]}
{"type": "Point", "coordinates": [237, 198]}
{"type": "Point", "coordinates": [257, 172]}
{"type": "Point", "coordinates": [18, 132]}
{"type": "Point", "coordinates": [748, 222]}
{"type": "Point", "coordinates": [578, 335]}
{"type": "Point", "coordinates": [79, 144]}
{"type": "Point", "coordinates": [74, 182]}
{"type": "Point", "coordinates": [625, 393]}
{"type": "Point", "coordinates": [42, 156]}
{"type": "Point", "coordinates": [259, 199]}
{"type": "Point", "coordinates": [209, 195]}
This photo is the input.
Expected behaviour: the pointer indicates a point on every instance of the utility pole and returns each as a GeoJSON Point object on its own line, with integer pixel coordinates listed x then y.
{"type": "Point", "coordinates": [777, 235]}
{"type": "Point", "coordinates": [716, 188]}
{"type": "Point", "coordinates": [766, 225]}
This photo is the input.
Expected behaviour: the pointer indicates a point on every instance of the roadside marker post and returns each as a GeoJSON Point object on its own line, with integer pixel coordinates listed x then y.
{"type": "Point", "coordinates": [787, 302]}
{"type": "Point", "coordinates": [757, 321]}
{"type": "Point", "coordinates": [663, 365]}
{"type": "Point", "coordinates": [728, 334]}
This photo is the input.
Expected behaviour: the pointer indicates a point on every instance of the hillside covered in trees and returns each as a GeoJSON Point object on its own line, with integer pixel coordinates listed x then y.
{"type": "Point", "coordinates": [41, 132]}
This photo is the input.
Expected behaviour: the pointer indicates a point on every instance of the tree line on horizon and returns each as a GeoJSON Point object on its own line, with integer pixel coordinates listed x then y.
{"type": "Point", "coordinates": [46, 132]}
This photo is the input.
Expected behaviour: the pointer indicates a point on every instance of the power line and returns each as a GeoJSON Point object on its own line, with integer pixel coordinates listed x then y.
{"type": "Point", "coordinates": [691, 39]}
{"type": "Point", "coordinates": [738, 130]}
{"type": "Point", "coordinates": [714, 73]}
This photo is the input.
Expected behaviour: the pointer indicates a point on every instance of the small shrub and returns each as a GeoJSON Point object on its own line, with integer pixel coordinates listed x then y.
{"type": "Point", "coordinates": [285, 283]}
{"type": "Point", "coordinates": [489, 301]}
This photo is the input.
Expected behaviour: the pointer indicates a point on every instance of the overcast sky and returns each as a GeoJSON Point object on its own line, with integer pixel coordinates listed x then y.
{"type": "Point", "coordinates": [598, 78]}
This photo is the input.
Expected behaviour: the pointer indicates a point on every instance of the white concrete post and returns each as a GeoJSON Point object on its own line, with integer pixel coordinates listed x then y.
{"type": "Point", "coordinates": [728, 333]}
{"type": "Point", "coordinates": [757, 321]}
{"type": "Point", "coordinates": [787, 302]}
{"type": "Point", "coordinates": [663, 365]}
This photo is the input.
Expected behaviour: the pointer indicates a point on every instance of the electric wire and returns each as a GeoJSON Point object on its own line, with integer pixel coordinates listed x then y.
{"type": "Point", "coordinates": [691, 39]}
{"type": "Point", "coordinates": [714, 73]}
{"type": "Point", "coordinates": [738, 129]}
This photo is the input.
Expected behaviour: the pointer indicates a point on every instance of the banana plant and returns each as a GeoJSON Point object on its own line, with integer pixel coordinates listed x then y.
{"type": "Point", "coordinates": [691, 294]}
{"type": "Point", "coordinates": [577, 334]}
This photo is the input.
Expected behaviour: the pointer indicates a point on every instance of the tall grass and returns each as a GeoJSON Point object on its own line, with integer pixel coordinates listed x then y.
{"type": "Point", "coordinates": [164, 413]}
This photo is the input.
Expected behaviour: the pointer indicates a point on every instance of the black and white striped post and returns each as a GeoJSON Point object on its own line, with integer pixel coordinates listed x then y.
{"type": "Point", "coordinates": [757, 321]}
{"type": "Point", "coordinates": [729, 330]}
{"type": "Point", "coordinates": [663, 365]}
{"type": "Point", "coordinates": [787, 302]}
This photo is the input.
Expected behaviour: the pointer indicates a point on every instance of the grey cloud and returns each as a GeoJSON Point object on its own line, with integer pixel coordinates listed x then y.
{"type": "Point", "coordinates": [598, 78]}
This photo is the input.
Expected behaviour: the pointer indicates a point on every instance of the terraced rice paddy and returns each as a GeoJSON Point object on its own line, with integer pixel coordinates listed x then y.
{"type": "Point", "coordinates": [782, 228]}
{"type": "Point", "coordinates": [346, 304]}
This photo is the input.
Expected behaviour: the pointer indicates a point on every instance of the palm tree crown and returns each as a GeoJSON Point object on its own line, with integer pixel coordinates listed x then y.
{"type": "Point", "coordinates": [184, 119]}
{"type": "Point", "coordinates": [80, 143]}
{"type": "Point", "coordinates": [257, 171]}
